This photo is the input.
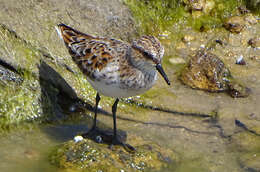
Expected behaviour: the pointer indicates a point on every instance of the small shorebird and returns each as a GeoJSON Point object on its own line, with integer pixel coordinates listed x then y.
{"type": "Point", "coordinates": [115, 68]}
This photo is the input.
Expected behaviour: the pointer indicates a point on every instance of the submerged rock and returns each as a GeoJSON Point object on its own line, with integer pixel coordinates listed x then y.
{"type": "Point", "coordinates": [235, 24]}
{"type": "Point", "coordinates": [206, 71]}
{"type": "Point", "coordinates": [90, 156]}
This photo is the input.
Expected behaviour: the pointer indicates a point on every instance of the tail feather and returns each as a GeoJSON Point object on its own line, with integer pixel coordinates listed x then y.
{"type": "Point", "coordinates": [70, 35]}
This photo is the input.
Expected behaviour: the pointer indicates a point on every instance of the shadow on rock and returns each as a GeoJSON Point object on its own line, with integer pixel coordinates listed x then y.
{"type": "Point", "coordinates": [57, 99]}
{"type": "Point", "coordinates": [53, 88]}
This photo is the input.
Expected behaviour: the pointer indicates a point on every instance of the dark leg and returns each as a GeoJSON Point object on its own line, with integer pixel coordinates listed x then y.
{"type": "Point", "coordinates": [96, 109]}
{"type": "Point", "coordinates": [95, 118]}
{"type": "Point", "coordinates": [114, 107]}
{"type": "Point", "coordinates": [115, 140]}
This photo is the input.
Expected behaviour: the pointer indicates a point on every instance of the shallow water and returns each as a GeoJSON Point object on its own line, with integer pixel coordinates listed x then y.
{"type": "Point", "coordinates": [202, 143]}
{"type": "Point", "coordinates": [198, 126]}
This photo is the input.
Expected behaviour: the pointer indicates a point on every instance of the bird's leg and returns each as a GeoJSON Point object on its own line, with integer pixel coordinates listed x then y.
{"type": "Point", "coordinates": [95, 117]}
{"type": "Point", "coordinates": [114, 108]}
{"type": "Point", "coordinates": [96, 109]}
{"type": "Point", "coordinates": [116, 140]}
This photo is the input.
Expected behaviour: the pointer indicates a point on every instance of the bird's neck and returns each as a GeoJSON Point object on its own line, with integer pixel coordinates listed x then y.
{"type": "Point", "coordinates": [146, 69]}
{"type": "Point", "coordinates": [138, 61]}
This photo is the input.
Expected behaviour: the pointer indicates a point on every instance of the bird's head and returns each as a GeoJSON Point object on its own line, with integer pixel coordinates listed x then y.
{"type": "Point", "coordinates": [149, 54]}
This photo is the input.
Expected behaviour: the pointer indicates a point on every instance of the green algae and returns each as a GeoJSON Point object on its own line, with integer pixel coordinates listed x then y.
{"type": "Point", "coordinates": [156, 17]}
{"type": "Point", "coordinates": [19, 102]}
{"type": "Point", "coordinates": [158, 14]}
{"type": "Point", "coordinates": [87, 155]}
{"type": "Point", "coordinates": [35, 97]}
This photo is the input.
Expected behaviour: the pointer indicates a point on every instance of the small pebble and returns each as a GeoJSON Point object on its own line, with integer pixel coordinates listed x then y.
{"type": "Point", "coordinates": [99, 139]}
{"type": "Point", "coordinates": [219, 41]}
{"type": "Point", "coordinates": [241, 61]}
{"type": "Point", "coordinates": [78, 139]}
{"type": "Point", "coordinates": [72, 108]}
{"type": "Point", "coordinates": [235, 24]}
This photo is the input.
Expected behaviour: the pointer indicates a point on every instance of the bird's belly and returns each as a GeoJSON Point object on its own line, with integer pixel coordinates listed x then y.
{"type": "Point", "coordinates": [114, 90]}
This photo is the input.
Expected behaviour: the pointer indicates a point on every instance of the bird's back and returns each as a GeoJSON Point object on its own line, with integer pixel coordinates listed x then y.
{"type": "Point", "coordinates": [105, 63]}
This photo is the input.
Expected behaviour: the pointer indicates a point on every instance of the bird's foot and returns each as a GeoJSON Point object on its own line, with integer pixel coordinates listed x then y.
{"type": "Point", "coordinates": [126, 146]}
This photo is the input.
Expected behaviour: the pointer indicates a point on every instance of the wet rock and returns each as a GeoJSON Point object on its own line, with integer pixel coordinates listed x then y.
{"type": "Point", "coordinates": [235, 24]}
{"type": "Point", "coordinates": [90, 156]}
{"type": "Point", "coordinates": [254, 42]}
{"type": "Point", "coordinates": [206, 71]}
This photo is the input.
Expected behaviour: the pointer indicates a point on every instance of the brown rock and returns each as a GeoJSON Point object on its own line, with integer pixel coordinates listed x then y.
{"type": "Point", "coordinates": [206, 71]}
{"type": "Point", "coordinates": [235, 24]}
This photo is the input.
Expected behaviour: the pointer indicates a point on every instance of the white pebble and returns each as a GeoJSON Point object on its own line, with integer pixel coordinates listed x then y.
{"type": "Point", "coordinates": [240, 59]}
{"type": "Point", "coordinates": [78, 139]}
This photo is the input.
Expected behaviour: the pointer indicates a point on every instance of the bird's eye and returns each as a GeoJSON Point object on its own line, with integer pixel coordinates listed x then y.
{"type": "Point", "coordinates": [148, 54]}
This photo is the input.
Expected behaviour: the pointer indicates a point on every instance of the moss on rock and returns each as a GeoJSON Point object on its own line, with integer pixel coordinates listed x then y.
{"type": "Point", "coordinates": [206, 71]}
{"type": "Point", "coordinates": [90, 156]}
{"type": "Point", "coordinates": [163, 15]}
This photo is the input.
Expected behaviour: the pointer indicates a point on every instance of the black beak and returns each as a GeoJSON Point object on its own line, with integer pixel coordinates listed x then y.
{"type": "Point", "coordinates": [161, 71]}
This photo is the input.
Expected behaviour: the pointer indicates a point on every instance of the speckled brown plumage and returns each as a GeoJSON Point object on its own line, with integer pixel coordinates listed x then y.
{"type": "Point", "coordinates": [113, 67]}
{"type": "Point", "coordinates": [120, 68]}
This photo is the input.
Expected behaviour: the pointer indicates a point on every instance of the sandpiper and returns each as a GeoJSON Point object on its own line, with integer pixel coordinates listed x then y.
{"type": "Point", "coordinates": [115, 68]}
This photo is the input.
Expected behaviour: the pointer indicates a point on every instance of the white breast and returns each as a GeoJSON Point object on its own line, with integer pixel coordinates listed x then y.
{"type": "Point", "coordinates": [116, 91]}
